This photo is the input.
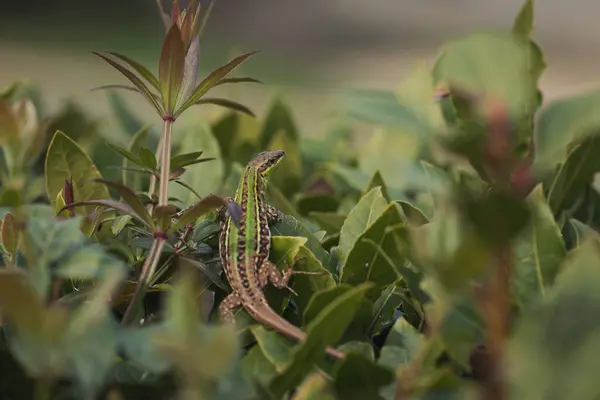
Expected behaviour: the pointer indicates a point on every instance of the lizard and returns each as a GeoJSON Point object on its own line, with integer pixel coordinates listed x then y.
{"type": "Point", "coordinates": [244, 250]}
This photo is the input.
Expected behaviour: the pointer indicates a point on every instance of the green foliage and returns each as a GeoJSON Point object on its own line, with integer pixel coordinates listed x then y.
{"type": "Point", "coordinates": [454, 252]}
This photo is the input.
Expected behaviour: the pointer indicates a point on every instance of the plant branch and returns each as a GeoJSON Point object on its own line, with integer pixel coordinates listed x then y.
{"type": "Point", "coordinates": [150, 264]}
{"type": "Point", "coordinates": [163, 189]}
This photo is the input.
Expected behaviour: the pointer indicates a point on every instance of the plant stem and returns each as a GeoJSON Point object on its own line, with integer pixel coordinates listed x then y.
{"type": "Point", "coordinates": [165, 161]}
{"type": "Point", "coordinates": [158, 153]}
{"type": "Point", "coordinates": [150, 264]}
{"type": "Point", "coordinates": [495, 308]}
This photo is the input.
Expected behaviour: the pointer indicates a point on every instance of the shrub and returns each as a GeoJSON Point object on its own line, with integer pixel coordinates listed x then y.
{"type": "Point", "coordinates": [457, 251]}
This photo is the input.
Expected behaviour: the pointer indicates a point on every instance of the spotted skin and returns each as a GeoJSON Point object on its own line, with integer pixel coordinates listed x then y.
{"type": "Point", "coordinates": [244, 250]}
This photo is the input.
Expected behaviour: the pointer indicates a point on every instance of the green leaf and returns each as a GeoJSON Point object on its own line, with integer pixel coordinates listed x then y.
{"type": "Point", "coordinates": [563, 123]}
{"type": "Point", "coordinates": [360, 378]}
{"type": "Point", "coordinates": [290, 226]}
{"type": "Point", "coordinates": [170, 68]}
{"type": "Point", "coordinates": [325, 330]}
{"type": "Point", "coordinates": [138, 141]}
{"type": "Point", "coordinates": [361, 217]}
{"type": "Point", "coordinates": [379, 253]}
{"type": "Point", "coordinates": [523, 25]}
{"type": "Point", "coordinates": [279, 118]}
{"type": "Point", "coordinates": [289, 173]}
{"type": "Point", "coordinates": [539, 252]}
{"type": "Point", "coordinates": [9, 126]}
{"type": "Point", "coordinates": [407, 343]}
{"type": "Point", "coordinates": [114, 205]}
{"type": "Point", "coordinates": [207, 204]}
{"type": "Point", "coordinates": [330, 221]}
{"type": "Point", "coordinates": [230, 104]}
{"type": "Point", "coordinates": [275, 348]}
{"type": "Point", "coordinates": [314, 387]}
{"type": "Point", "coordinates": [582, 232]}
{"type": "Point", "coordinates": [183, 160]}
{"type": "Point", "coordinates": [139, 347]}
{"type": "Point", "coordinates": [48, 241]}
{"type": "Point", "coordinates": [257, 367]}
{"type": "Point", "coordinates": [9, 234]}
{"type": "Point", "coordinates": [87, 263]}
{"type": "Point", "coordinates": [143, 71]}
{"type": "Point", "coordinates": [204, 179]}
{"type": "Point", "coordinates": [148, 158]}
{"type": "Point", "coordinates": [377, 181]}
{"type": "Point", "coordinates": [554, 346]}
{"type": "Point", "coordinates": [211, 80]}
{"type": "Point", "coordinates": [137, 82]}
{"type": "Point", "coordinates": [132, 200]}
{"type": "Point", "coordinates": [66, 160]}
{"type": "Point", "coordinates": [241, 79]}
{"type": "Point", "coordinates": [574, 175]}
{"type": "Point", "coordinates": [494, 66]}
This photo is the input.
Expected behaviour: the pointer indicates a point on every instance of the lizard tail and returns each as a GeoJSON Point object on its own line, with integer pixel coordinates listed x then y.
{"type": "Point", "coordinates": [269, 317]}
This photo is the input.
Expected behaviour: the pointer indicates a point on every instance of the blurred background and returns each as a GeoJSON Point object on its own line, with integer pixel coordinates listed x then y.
{"type": "Point", "coordinates": [310, 48]}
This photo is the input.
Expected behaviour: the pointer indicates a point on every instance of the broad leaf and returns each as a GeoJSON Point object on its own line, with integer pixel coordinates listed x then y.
{"type": "Point", "coordinates": [279, 118]}
{"type": "Point", "coordinates": [204, 179]}
{"type": "Point", "coordinates": [540, 250]}
{"type": "Point", "coordinates": [66, 160]}
{"type": "Point", "coordinates": [361, 217]}
{"type": "Point", "coordinates": [323, 331]}
{"type": "Point", "coordinates": [360, 378]}
{"type": "Point", "coordinates": [565, 122]}
{"type": "Point", "coordinates": [489, 66]}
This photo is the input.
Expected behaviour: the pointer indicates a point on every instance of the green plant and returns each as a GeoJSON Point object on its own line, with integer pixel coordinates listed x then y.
{"type": "Point", "coordinates": [457, 250]}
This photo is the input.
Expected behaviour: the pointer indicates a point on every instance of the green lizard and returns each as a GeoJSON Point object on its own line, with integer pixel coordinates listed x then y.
{"type": "Point", "coordinates": [244, 250]}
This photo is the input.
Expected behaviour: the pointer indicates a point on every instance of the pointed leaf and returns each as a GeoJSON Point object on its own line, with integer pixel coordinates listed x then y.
{"type": "Point", "coordinates": [563, 123]}
{"type": "Point", "coordinates": [211, 80]}
{"type": "Point", "coordinates": [143, 71]}
{"type": "Point", "coordinates": [122, 87]}
{"type": "Point", "coordinates": [128, 155]}
{"type": "Point", "coordinates": [139, 140]}
{"type": "Point", "coordinates": [182, 160]}
{"type": "Point", "coordinates": [523, 24]}
{"type": "Point", "coordinates": [539, 252]}
{"type": "Point", "coordinates": [207, 204]}
{"type": "Point", "coordinates": [131, 199]}
{"type": "Point", "coordinates": [232, 105]}
{"type": "Point", "coordinates": [204, 180]}
{"type": "Point", "coordinates": [361, 217]}
{"type": "Point", "coordinates": [9, 233]}
{"type": "Point", "coordinates": [148, 158]}
{"type": "Point", "coordinates": [325, 330]}
{"type": "Point", "coordinates": [9, 126]}
{"type": "Point", "coordinates": [171, 68]}
{"type": "Point", "coordinates": [242, 79]}
{"type": "Point", "coordinates": [137, 82]}
{"type": "Point", "coordinates": [115, 205]}
{"type": "Point", "coordinates": [66, 160]}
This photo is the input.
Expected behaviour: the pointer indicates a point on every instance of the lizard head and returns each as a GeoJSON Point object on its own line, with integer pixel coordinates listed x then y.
{"type": "Point", "coordinates": [267, 161]}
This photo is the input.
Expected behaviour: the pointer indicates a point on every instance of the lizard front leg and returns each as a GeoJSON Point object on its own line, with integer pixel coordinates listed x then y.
{"type": "Point", "coordinates": [229, 303]}
{"type": "Point", "coordinates": [273, 215]}
{"type": "Point", "coordinates": [269, 272]}
{"type": "Point", "coordinates": [222, 213]}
